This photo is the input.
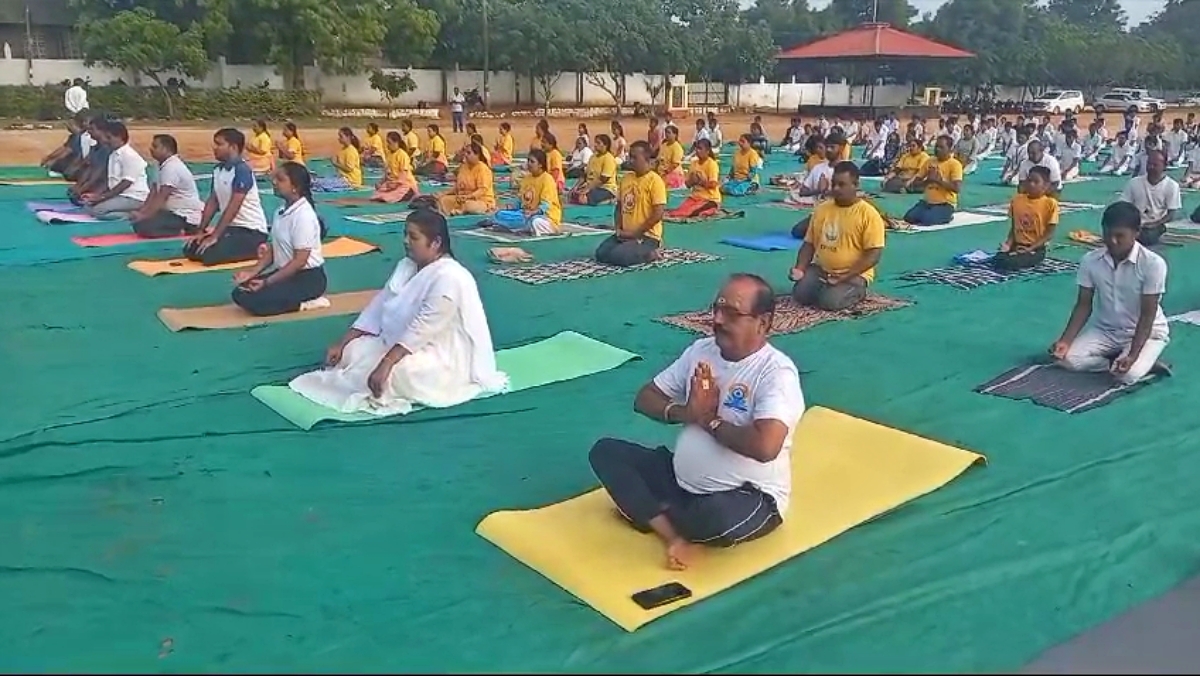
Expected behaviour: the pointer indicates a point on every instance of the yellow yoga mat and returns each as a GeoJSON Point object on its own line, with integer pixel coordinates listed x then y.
{"type": "Point", "coordinates": [231, 316]}
{"type": "Point", "coordinates": [845, 471]}
{"type": "Point", "coordinates": [338, 248]}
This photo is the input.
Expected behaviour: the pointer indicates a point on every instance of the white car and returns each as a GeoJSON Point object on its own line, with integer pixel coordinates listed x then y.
{"type": "Point", "coordinates": [1136, 94]}
{"type": "Point", "coordinates": [1192, 100]}
{"type": "Point", "coordinates": [1056, 102]}
{"type": "Point", "coordinates": [1120, 102]}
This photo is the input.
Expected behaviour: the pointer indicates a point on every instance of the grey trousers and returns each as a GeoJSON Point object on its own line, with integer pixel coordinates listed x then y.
{"type": "Point", "coordinates": [114, 208]}
{"type": "Point", "coordinates": [812, 291]}
{"type": "Point", "coordinates": [626, 253]}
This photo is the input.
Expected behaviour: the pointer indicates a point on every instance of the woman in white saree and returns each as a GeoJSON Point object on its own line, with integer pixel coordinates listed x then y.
{"type": "Point", "coordinates": [422, 341]}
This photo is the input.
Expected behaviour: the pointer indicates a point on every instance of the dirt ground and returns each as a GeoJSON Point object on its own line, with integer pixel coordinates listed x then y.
{"type": "Point", "coordinates": [320, 137]}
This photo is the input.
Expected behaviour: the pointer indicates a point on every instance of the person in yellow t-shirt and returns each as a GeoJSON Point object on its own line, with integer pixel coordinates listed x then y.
{"type": "Point", "coordinates": [670, 159]}
{"type": "Point", "coordinates": [291, 149]}
{"type": "Point", "coordinates": [1034, 215]}
{"type": "Point", "coordinates": [348, 160]}
{"type": "Point", "coordinates": [437, 163]}
{"type": "Point", "coordinates": [704, 178]}
{"type": "Point", "coordinates": [374, 150]}
{"type": "Point", "coordinates": [638, 217]}
{"type": "Point", "coordinates": [399, 185]}
{"type": "Point", "coordinates": [841, 249]}
{"type": "Point", "coordinates": [412, 141]}
{"type": "Point", "coordinates": [502, 152]}
{"type": "Point", "coordinates": [474, 189]}
{"type": "Point", "coordinates": [599, 183]}
{"type": "Point", "coordinates": [554, 160]}
{"type": "Point", "coordinates": [744, 169]}
{"type": "Point", "coordinates": [942, 182]}
{"type": "Point", "coordinates": [259, 153]}
{"type": "Point", "coordinates": [907, 174]}
{"type": "Point", "coordinates": [538, 211]}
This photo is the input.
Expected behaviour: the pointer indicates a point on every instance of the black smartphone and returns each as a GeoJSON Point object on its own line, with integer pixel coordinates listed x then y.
{"type": "Point", "coordinates": [668, 593]}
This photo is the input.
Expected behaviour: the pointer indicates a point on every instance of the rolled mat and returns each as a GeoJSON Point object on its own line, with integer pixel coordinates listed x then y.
{"type": "Point", "coordinates": [120, 239]}
{"type": "Point", "coordinates": [232, 317]}
{"type": "Point", "coordinates": [341, 247]}
{"type": "Point", "coordinates": [780, 241]}
{"type": "Point", "coordinates": [34, 181]}
{"type": "Point", "coordinates": [845, 471]}
{"type": "Point", "coordinates": [565, 356]}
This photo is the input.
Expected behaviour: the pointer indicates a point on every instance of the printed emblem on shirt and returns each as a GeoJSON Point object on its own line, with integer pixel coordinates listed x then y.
{"type": "Point", "coordinates": [629, 200]}
{"type": "Point", "coordinates": [529, 195]}
{"type": "Point", "coordinates": [832, 232]}
{"type": "Point", "coordinates": [738, 398]}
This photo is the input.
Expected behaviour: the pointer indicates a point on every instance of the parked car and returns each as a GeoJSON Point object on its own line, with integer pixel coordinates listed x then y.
{"type": "Point", "coordinates": [1119, 102]}
{"type": "Point", "coordinates": [1191, 100]}
{"type": "Point", "coordinates": [1056, 101]}
{"type": "Point", "coordinates": [1136, 94]}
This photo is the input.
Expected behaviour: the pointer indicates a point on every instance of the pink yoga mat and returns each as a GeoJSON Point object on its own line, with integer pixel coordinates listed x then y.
{"type": "Point", "coordinates": [118, 239]}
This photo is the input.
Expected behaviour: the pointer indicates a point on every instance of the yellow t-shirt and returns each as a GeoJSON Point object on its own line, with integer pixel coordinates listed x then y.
{"type": "Point", "coordinates": [844, 153]}
{"type": "Point", "coordinates": [908, 165]}
{"type": "Point", "coordinates": [744, 162]}
{"type": "Point", "coordinates": [670, 157]}
{"type": "Point", "coordinates": [437, 149]}
{"type": "Point", "coordinates": [950, 170]}
{"type": "Point", "coordinates": [707, 170]}
{"type": "Point", "coordinates": [1032, 218]}
{"type": "Point", "coordinates": [638, 196]}
{"type": "Point", "coordinates": [600, 166]}
{"type": "Point", "coordinates": [399, 165]}
{"type": "Point", "coordinates": [479, 177]}
{"type": "Point", "coordinates": [812, 161]}
{"type": "Point", "coordinates": [376, 144]}
{"type": "Point", "coordinates": [538, 190]}
{"type": "Point", "coordinates": [262, 160]}
{"type": "Point", "coordinates": [504, 146]}
{"type": "Point", "coordinates": [350, 158]}
{"type": "Point", "coordinates": [840, 235]}
{"type": "Point", "coordinates": [413, 142]}
{"type": "Point", "coordinates": [554, 163]}
{"type": "Point", "coordinates": [296, 148]}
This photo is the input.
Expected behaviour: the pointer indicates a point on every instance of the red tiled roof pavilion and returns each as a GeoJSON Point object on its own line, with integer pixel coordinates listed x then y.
{"type": "Point", "coordinates": [873, 41]}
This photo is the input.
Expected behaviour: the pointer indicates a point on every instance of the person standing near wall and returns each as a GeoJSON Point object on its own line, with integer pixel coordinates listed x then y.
{"type": "Point", "coordinates": [458, 111]}
{"type": "Point", "coordinates": [76, 98]}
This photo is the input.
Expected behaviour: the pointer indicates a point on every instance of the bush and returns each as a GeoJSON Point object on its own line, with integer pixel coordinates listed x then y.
{"type": "Point", "coordinates": [46, 103]}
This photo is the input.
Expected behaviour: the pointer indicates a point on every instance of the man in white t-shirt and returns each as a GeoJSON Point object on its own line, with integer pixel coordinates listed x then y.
{"type": "Point", "coordinates": [1176, 141]}
{"type": "Point", "coordinates": [1036, 156]}
{"type": "Point", "coordinates": [242, 228]}
{"type": "Point", "coordinates": [1123, 284]}
{"type": "Point", "coordinates": [729, 478]}
{"type": "Point", "coordinates": [174, 206]}
{"type": "Point", "coordinates": [1156, 196]}
{"type": "Point", "coordinates": [458, 114]}
{"type": "Point", "coordinates": [76, 98]}
{"type": "Point", "coordinates": [127, 186]}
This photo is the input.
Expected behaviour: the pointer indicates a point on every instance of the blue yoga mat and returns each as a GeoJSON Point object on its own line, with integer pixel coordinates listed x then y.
{"type": "Point", "coordinates": [774, 242]}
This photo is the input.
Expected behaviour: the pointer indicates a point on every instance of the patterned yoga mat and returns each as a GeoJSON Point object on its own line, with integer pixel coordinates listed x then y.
{"type": "Point", "coordinates": [1057, 388]}
{"type": "Point", "coordinates": [588, 268]}
{"type": "Point", "coordinates": [790, 317]}
{"type": "Point", "coordinates": [974, 275]}
{"type": "Point", "coordinates": [721, 215]}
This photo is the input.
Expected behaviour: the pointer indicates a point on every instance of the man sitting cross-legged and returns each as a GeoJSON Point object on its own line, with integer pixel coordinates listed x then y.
{"type": "Point", "coordinates": [1156, 196]}
{"type": "Point", "coordinates": [739, 399]}
{"type": "Point", "coordinates": [943, 178]}
{"type": "Point", "coordinates": [1124, 282]}
{"type": "Point", "coordinates": [841, 248]}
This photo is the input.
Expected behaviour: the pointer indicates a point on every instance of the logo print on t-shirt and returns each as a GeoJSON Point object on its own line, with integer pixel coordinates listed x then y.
{"type": "Point", "coordinates": [529, 195]}
{"type": "Point", "coordinates": [832, 232]}
{"type": "Point", "coordinates": [627, 202]}
{"type": "Point", "coordinates": [738, 398]}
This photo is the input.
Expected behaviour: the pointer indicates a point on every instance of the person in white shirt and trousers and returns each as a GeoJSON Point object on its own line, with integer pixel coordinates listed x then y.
{"type": "Point", "coordinates": [1122, 284]}
{"type": "Point", "coordinates": [458, 112]}
{"type": "Point", "coordinates": [76, 98]}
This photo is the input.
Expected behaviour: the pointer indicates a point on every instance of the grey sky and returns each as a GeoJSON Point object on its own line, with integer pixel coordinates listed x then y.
{"type": "Point", "coordinates": [1138, 10]}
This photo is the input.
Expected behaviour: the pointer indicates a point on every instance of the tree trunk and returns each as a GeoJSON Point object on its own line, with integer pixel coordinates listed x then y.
{"type": "Point", "coordinates": [166, 93]}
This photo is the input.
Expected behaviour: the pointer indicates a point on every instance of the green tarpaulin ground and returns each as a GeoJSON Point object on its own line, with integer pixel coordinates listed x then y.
{"type": "Point", "coordinates": [155, 517]}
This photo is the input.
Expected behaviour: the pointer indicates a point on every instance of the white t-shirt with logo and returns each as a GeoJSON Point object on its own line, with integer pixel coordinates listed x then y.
{"type": "Point", "coordinates": [1154, 201]}
{"type": "Point", "coordinates": [763, 386]}
{"type": "Point", "coordinates": [125, 164]}
{"type": "Point", "coordinates": [296, 227]}
{"type": "Point", "coordinates": [184, 199]}
{"type": "Point", "coordinates": [237, 177]}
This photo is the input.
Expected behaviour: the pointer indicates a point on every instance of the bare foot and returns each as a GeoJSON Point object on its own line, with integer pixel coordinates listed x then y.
{"type": "Point", "coordinates": [681, 554]}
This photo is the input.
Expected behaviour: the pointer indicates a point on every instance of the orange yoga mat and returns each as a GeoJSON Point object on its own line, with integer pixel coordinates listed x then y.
{"type": "Point", "coordinates": [338, 248]}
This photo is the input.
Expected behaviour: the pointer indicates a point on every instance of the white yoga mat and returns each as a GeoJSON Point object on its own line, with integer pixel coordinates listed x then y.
{"type": "Point", "coordinates": [1183, 225]}
{"type": "Point", "coordinates": [1192, 317]}
{"type": "Point", "coordinates": [961, 219]}
{"type": "Point", "coordinates": [60, 217]}
{"type": "Point", "coordinates": [568, 230]}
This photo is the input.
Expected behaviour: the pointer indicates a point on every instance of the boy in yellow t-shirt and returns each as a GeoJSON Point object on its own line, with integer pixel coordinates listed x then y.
{"type": "Point", "coordinates": [841, 249]}
{"type": "Point", "coordinates": [704, 178]}
{"type": "Point", "coordinates": [1034, 216]}
{"type": "Point", "coordinates": [942, 181]}
{"type": "Point", "coordinates": [641, 203]}
{"type": "Point", "coordinates": [909, 169]}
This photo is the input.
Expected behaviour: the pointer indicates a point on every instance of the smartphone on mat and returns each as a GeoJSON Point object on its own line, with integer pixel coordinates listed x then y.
{"type": "Point", "coordinates": [668, 593]}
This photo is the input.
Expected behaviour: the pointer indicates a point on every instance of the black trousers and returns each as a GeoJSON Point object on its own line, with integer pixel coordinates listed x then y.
{"type": "Point", "coordinates": [1011, 261]}
{"type": "Point", "coordinates": [284, 297]}
{"type": "Point", "coordinates": [161, 224]}
{"type": "Point", "coordinates": [236, 245]}
{"type": "Point", "coordinates": [641, 482]}
{"type": "Point", "coordinates": [625, 253]}
{"type": "Point", "coordinates": [1150, 236]}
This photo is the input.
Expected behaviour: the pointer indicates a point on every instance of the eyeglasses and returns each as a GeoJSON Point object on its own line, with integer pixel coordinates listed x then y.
{"type": "Point", "coordinates": [728, 312]}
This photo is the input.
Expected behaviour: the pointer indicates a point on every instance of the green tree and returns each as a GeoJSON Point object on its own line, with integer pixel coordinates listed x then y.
{"type": "Point", "coordinates": [391, 85]}
{"type": "Point", "coordinates": [209, 17]}
{"type": "Point", "coordinates": [537, 38]}
{"type": "Point", "coordinates": [626, 37]}
{"type": "Point", "coordinates": [136, 40]}
{"type": "Point", "coordinates": [1105, 15]}
{"type": "Point", "coordinates": [842, 14]}
{"type": "Point", "coordinates": [791, 22]}
{"type": "Point", "coordinates": [411, 33]}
